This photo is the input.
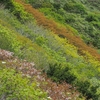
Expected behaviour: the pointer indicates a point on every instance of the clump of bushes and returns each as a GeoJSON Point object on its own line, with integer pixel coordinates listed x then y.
{"type": "Point", "coordinates": [74, 8]}
{"type": "Point", "coordinates": [91, 17]}
{"type": "Point", "coordinates": [14, 87]}
{"type": "Point", "coordinates": [60, 73]}
{"type": "Point", "coordinates": [17, 9]}
{"type": "Point", "coordinates": [89, 91]}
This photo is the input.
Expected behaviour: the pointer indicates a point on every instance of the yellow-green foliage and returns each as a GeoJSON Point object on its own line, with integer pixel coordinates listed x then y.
{"type": "Point", "coordinates": [18, 10]}
{"type": "Point", "coordinates": [92, 60]}
{"type": "Point", "coordinates": [8, 38]}
{"type": "Point", "coordinates": [14, 86]}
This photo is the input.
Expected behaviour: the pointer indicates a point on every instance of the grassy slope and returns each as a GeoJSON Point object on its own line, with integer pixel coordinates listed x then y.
{"type": "Point", "coordinates": [41, 20]}
{"type": "Point", "coordinates": [19, 44]}
{"type": "Point", "coordinates": [45, 48]}
{"type": "Point", "coordinates": [82, 15]}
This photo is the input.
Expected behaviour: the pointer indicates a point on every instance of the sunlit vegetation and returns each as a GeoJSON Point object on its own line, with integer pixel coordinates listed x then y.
{"type": "Point", "coordinates": [14, 86]}
{"type": "Point", "coordinates": [79, 14]}
{"type": "Point", "coordinates": [53, 26]}
{"type": "Point", "coordinates": [63, 56]}
{"type": "Point", "coordinates": [20, 80]}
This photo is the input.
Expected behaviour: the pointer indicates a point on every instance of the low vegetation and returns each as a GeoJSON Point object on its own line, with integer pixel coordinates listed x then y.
{"type": "Point", "coordinates": [62, 56]}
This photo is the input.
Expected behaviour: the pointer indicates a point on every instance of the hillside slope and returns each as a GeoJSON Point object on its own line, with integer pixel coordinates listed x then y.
{"type": "Point", "coordinates": [42, 20]}
{"type": "Point", "coordinates": [83, 15]}
{"type": "Point", "coordinates": [55, 49]}
{"type": "Point", "coordinates": [41, 86]}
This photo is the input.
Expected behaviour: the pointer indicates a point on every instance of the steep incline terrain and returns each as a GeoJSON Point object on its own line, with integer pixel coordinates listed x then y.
{"type": "Point", "coordinates": [83, 15]}
{"type": "Point", "coordinates": [38, 80]}
{"type": "Point", "coordinates": [50, 24]}
{"type": "Point", "coordinates": [60, 56]}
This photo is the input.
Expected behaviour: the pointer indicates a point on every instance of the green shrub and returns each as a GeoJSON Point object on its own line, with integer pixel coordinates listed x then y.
{"type": "Point", "coordinates": [18, 10]}
{"type": "Point", "coordinates": [87, 90]}
{"type": "Point", "coordinates": [7, 3]}
{"type": "Point", "coordinates": [52, 13]}
{"type": "Point", "coordinates": [40, 4]}
{"type": "Point", "coordinates": [91, 17]}
{"type": "Point", "coordinates": [60, 73]}
{"type": "Point", "coordinates": [14, 87]}
{"type": "Point", "coordinates": [74, 8]}
{"type": "Point", "coordinates": [8, 40]}
{"type": "Point", "coordinates": [70, 19]}
{"type": "Point", "coordinates": [41, 40]}
{"type": "Point", "coordinates": [56, 6]}
{"type": "Point", "coordinates": [96, 24]}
